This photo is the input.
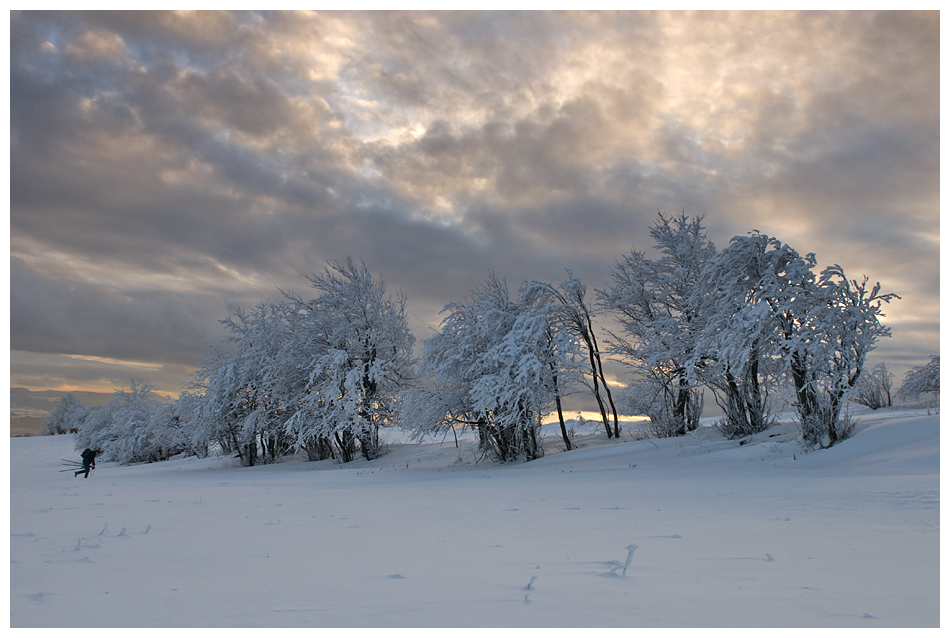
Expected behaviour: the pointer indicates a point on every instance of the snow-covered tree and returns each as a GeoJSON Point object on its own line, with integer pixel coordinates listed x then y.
{"type": "Point", "coordinates": [769, 305]}
{"type": "Point", "coordinates": [740, 296]}
{"type": "Point", "coordinates": [842, 328]}
{"type": "Point", "coordinates": [353, 345]}
{"type": "Point", "coordinates": [67, 416]}
{"type": "Point", "coordinates": [570, 312]}
{"type": "Point", "coordinates": [132, 439]}
{"type": "Point", "coordinates": [167, 430]}
{"type": "Point", "coordinates": [213, 420]}
{"type": "Point", "coordinates": [96, 433]}
{"type": "Point", "coordinates": [323, 375]}
{"type": "Point", "coordinates": [242, 408]}
{"type": "Point", "coordinates": [923, 380]}
{"type": "Point", "coordinates": [652, 300]}
{"type": "Point", "coordinates": [498, 366]}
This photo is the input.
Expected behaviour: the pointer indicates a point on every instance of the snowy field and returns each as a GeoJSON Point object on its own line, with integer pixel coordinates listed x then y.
{"type": "Point", "coordinates": [726, 535]}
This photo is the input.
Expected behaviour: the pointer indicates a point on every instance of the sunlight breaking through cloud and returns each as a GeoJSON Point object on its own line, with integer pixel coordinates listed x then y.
{"type": "Point", "coordinates": [214, 157]}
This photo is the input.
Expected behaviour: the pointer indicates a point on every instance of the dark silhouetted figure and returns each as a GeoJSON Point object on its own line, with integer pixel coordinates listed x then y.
{"type": "Point", "coordinates": [88, 461]}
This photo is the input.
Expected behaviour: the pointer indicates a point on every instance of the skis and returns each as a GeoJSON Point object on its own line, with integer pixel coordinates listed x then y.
{"type": "Point", "coordinates": [72, 466]}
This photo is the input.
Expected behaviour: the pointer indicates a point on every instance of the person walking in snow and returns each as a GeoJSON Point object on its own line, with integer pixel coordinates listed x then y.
{"type": "Point", "coordinates": [88, 460]}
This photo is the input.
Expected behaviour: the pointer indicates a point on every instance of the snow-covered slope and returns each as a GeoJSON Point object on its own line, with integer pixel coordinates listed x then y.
{"type": "Point", "coordinates": [757, 534]}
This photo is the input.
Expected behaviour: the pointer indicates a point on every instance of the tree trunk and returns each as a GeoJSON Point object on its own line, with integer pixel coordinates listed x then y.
{"type": "Point", "coordinates": [250, 453]}
{"type": "Point", "coordinates": [560, 413]}
{"type": "Point", "coordinates": [345, 445]}
{"type": "Point", "coordinates": [681, 407]}
{"type": "Point", "coordinates": [603, 377]}
{"type": "Point", "coordinates": [595, 378]}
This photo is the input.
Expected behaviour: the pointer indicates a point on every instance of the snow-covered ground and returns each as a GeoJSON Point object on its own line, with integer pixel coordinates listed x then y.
{"type": "Point", "coordinates": [759, 534]}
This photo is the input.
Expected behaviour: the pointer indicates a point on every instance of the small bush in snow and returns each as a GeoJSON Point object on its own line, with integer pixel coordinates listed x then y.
{"type": "Point", "coordinates": [823, 425]}
{"type": "Point", "coordinates": [736, 428]}
{"type": "Point", "coordinates": [874, 388]}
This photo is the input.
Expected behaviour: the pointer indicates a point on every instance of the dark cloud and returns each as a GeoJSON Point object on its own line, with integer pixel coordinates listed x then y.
{"type": "Point", "coordinates": [53, 317]}
{"type": "Point", "coordinates": [167, 164]}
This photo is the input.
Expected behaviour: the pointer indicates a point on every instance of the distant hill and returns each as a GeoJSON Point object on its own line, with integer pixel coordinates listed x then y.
{"type": "Point", "coordinates": [28, 409]}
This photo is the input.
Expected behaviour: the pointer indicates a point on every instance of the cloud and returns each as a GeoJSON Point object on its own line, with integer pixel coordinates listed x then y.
{"type": "Point", "coordinates": [67, 373]}
{"type": "Point", "coordinates": [49, 316]}
{"type": "Point", "coordinates": [167, 164]}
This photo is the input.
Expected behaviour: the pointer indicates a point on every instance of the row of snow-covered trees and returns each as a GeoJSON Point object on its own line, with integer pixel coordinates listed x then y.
{"type": "Point", "coordinates": [135, 426]}
{"type": "Point", "coordinates": [325, 375]}
{"type": "Point", "coordinates": [742, 321]}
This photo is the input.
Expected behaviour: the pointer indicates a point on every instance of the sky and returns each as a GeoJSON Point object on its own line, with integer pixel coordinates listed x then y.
{"type": "Point", "coordinates": [166, 167]}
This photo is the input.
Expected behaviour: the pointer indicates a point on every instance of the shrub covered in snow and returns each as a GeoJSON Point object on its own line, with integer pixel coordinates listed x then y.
{"type": "Point", "coordinates": [874, 388]}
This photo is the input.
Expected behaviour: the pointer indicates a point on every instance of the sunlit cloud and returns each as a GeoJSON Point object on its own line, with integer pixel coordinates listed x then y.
{"type": "Point", "coordinates": [118, 362]}
{"type": "Point", "coordinates": [185, 159]}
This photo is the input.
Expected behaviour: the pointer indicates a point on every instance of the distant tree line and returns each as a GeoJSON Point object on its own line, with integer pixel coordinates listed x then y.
{"type": "Point", "coordinates": [326, 376]}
